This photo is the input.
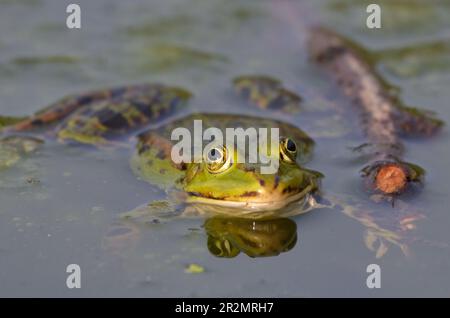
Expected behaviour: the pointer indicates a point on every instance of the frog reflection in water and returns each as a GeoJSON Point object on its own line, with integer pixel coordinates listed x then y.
{"type": "Point", "coordinates": [227, 237]}
{"type": "Point", "coordinates": [226, 187]}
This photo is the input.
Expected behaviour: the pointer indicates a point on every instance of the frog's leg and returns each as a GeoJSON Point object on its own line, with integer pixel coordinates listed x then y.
{"type": "Point", "coordinates": [154, 212]}
{"type": "Point", "coordinates": [99, 117]}
{"type": "Point", "coordinates": [66, 106]}
{"type": "Point", "coordinates": [107, 121]}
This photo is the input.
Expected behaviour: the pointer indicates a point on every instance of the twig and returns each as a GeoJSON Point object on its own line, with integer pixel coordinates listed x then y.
{"type": "Point", "coordinates": [383, 116]}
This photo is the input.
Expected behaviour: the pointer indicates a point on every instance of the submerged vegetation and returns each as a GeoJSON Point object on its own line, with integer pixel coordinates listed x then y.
{"type": "Point", "coordinates": [416, 59]}
{"type": "Point", "coordinates": [167, 57]}
{"type": "Point", "coordinates": [399, 16]}
{"type": "Point", "coordinates": [51, 59]}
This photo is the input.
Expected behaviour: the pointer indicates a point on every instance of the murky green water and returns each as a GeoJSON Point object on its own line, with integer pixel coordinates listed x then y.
{"type": "Point", "coordinates": [58, 206]}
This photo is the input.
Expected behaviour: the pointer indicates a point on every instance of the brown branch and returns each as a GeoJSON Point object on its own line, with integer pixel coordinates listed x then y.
{"type": "Point", "coordinates": [383, 116]}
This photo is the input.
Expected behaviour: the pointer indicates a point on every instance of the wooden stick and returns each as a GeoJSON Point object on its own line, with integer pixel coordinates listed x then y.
{"type": "Point", "coordinates": [383, 116]}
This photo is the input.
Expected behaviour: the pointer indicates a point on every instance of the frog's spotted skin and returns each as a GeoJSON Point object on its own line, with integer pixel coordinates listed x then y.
{"type": "Point", "coordinates": [267, 93]}
{"type": "Point", "coordinates": [113, 119]}
{"type": "Point", "coordinates": [61, 109]}
{"type": "Point", "coordinates": [99, 116]}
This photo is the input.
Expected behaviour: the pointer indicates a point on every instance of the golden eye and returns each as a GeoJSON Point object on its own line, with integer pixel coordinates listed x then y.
{"type": "Point", "coordinates": [288, 150]}
{"type": "Point", "coordinates": [217, 160]}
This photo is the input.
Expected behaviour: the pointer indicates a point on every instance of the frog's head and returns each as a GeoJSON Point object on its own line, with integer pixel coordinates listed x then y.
{"type": "Point", "coordinates": [225, 181]}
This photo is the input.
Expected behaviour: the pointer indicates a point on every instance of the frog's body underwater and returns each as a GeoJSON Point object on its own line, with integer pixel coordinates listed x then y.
{"type": "Point", "coordinates": [150, 112]}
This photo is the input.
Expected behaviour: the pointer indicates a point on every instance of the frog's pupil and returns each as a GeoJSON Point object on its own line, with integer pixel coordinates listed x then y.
{"type": "Point", "coordinates": [214, 155]}
{"type": "Point", "coordinates": [290, 145]}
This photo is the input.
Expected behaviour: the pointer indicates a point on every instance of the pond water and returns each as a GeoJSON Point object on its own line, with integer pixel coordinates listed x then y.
{"type": "Point", "coordinates": [58, 206]}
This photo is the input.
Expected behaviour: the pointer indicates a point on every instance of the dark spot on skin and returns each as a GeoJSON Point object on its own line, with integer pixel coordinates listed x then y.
{"type": "Point", "coordinates": [277, 181]}
{"type": "Point", "coordinates": [37, 122]}
{"type": "Point", "coordinates": [250, 194]}
{"type": "Point", "coordinates": [143, 148]}
{"type": "Point", "coordinates": [249, 169]}
{"type": "Point", "coordinates": [111, 119]}
{"type": "Point", "coordinates": [289, 189]}
{"type": "Point", "coordinates": [175, 102]}
{"type": "Point", "coordinates": [161, 155]}
{"type": "Point", "coordinates": [144, 108]}
{"type": "Point", "coordinates": [79, 122]}
{"type": "Point", "coordinates": [206, 195]}
{"type": "Point", "coordinates": [277, 103]}
{"type": "Point", "coordinates": [262, 182]}
{"type": "Point", "coordinates": [244, 92]}
{"type": "Point", "coordinates": [116, 92]}
{"type": "Point", "coordinates": [162, 111]}
{"type": "Point", "coordinates": [142, 137]}
{"type": "Point", "coordinates": [84, 100]}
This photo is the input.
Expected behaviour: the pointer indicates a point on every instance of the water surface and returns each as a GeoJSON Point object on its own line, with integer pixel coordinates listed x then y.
{"type": "Point", "coordinates": [201, 45]}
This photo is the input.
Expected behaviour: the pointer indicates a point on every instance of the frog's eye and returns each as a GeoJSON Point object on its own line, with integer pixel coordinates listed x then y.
{"type": "Point", "coordinates": [217, 160]}
{"type": "Point", "coordinates": [288, 150]}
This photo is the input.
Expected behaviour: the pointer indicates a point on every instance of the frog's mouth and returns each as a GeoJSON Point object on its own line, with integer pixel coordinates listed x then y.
{"type": "Point", "coordinates": [254, 205]}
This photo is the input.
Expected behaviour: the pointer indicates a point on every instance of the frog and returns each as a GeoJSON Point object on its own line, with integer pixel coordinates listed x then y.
{"type": "Point", "coordinates": [142, 116]}
{"type": "Point", "coordinates": [145, 115]}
